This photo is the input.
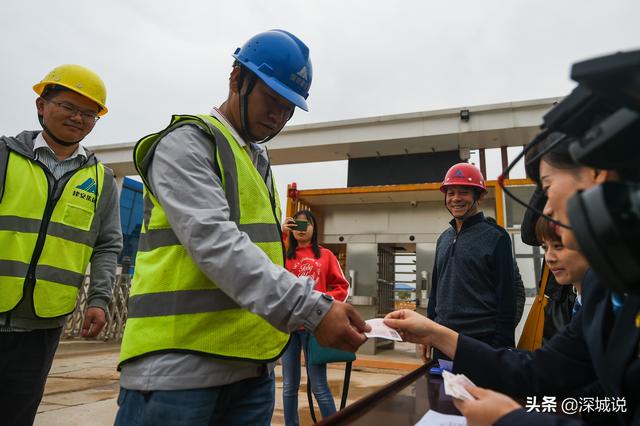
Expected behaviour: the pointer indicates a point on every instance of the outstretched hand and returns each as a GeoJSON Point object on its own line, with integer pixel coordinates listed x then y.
{"type": "Point", "coordinates": [412, 326]}
{"type": "Point", "coordinates": [342, 328]}
{"type": "Point", "coordinates": [488, 407]}
{"type": "Point", "coordinates": [416, 328]}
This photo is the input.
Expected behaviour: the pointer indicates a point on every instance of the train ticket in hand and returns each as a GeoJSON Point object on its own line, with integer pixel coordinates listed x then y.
{"type": "Point", "coordinates": [455, 386]}
{"type": "Point", "coordinates": [379, 329]}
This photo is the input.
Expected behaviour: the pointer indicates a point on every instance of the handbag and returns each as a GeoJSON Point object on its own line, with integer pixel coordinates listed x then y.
{"type": "Point", "coordinates": [317, 354]}
{"type": "Point", "coordinates": [531, 338]}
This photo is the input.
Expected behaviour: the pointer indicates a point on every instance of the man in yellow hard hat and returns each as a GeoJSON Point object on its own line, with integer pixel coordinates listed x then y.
{"type": "Point", "coordinates": [58, 213]}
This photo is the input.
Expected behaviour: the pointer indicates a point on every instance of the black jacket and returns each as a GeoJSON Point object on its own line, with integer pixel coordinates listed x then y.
{"type": "Point", "coordinates": [595, 346]}
{"type": "Point", "coordinates": [473, 290]}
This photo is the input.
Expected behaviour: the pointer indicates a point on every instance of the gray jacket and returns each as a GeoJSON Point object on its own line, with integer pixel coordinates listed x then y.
{"type": "Point", "coordinates": [105, 251]}
{"type": "Point", "coordinates": [183, 178]}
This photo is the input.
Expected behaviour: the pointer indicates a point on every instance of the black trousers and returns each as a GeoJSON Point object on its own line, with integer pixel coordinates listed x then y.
{"type": "Point", "coordinates": [25, 361]}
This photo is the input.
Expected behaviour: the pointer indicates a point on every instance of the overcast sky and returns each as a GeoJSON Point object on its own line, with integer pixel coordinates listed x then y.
{"type": "Point", "coordinates": [370, 57]}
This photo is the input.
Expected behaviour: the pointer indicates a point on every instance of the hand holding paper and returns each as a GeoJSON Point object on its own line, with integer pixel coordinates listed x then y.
{"type": "Point", "coordinates": [379, 329]}
{"type": "Point", "coordinates": [454, 386]}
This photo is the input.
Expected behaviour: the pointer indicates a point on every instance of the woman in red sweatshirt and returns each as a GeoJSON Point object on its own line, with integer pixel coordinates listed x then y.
{"type": "Point", "coordinates": [306, 258]}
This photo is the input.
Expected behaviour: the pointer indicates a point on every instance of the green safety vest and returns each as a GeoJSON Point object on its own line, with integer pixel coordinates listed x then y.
{"type": "Point", "coordinates": [173, 306]}
{"type": "Point", "coordinates": [47, 233]}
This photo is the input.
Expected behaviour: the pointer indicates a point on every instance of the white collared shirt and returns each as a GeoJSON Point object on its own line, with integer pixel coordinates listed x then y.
{"type": "Point", "coordinates": [221, 118]}
{"type": "Point", "coordinates": [257, 153]}
{"type": "Point", "coordinates": [45, 155]}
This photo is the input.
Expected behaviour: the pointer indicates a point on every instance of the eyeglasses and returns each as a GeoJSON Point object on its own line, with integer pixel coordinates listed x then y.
{"type": "Point", "coordinates": [87, 117]}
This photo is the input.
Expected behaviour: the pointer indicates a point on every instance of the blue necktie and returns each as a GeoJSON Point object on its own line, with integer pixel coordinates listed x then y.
{"type": "Point", "coordinates": [576, 307]}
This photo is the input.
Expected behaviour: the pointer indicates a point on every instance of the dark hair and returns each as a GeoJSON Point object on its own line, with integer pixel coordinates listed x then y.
{"type": "Point", "coordinates": [293, 243]}
{"type": "Point", "coordinates": [554, 150]}
{"type": "Point", "coordinates": [245, 74]}
{"type": "Point", "coordinates": [477, 192]}
{"type": "Point", "coordinates": [51, 90]}
{"type": "Point", "coordinates": [544, 231]}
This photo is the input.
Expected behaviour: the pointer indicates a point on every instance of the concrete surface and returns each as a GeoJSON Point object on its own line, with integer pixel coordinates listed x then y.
{"type": "Point", "coordinates": [83, 383]}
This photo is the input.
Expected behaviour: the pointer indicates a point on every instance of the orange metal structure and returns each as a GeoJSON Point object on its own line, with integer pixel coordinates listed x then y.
{"type": "Point", "coordinates": [302, 199]}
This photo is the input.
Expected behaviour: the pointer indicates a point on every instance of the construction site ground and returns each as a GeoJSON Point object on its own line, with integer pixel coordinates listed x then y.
{"type": "Point", "coordinates": [82, 387]}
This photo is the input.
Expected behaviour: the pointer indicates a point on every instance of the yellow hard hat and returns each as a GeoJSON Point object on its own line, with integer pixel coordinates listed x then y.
{"type": "Point", "coordinates": [79, 79]}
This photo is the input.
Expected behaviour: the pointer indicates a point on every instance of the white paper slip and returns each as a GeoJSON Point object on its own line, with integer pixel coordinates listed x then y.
{"type": "Point", "coordinates": [433, 418]}
{"type": "Point", "coordinates": [379, 329]}
{"type": "Point", "coordinates": [454, 385]}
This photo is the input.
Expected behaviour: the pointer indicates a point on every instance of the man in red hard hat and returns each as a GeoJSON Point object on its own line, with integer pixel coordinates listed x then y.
{"type": "Point", "coordinates": [472, 283]}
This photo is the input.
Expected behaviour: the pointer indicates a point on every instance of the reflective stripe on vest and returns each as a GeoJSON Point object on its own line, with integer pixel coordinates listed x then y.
{"type": "Point", "coordinates": [258, 232]}
{"type": "Point", "coordinates": [173, 306]}
{"type": "Point", "coordinates": [50, 241]}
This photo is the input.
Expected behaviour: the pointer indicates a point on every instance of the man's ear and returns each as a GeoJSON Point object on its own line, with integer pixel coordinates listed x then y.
{"type": "Point", "coordinates": [601, 176]}
{"type": "Point", "coordinates": [40, 105]}
{"type": "Point", "coordinates": [233, 80]}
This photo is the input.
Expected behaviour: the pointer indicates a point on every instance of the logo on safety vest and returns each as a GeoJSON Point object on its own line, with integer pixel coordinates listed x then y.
{"type": "Point", "coordinates": [87, 190]}
{"type": "Point", "coordinates": [89, 185]}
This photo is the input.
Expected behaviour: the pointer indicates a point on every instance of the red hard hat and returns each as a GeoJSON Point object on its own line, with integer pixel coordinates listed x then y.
{"type": "Point", "coordinates": [463, 174]}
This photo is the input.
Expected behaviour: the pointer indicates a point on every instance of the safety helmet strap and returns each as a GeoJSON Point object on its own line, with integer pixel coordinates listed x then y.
{"type": "Point", "coordinates": [244, 93]}
{"type": "Point", "coordinates": [476, 198]}
{"type": "Point", "coordinates": [55, 138]}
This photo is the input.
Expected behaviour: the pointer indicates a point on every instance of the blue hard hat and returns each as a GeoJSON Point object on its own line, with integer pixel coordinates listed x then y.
{"type": "Point", "coordinates": [281, 61]}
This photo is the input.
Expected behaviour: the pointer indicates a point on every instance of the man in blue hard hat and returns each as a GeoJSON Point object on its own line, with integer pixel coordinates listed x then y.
{"type": "Point", "coordinates": [211, 305]}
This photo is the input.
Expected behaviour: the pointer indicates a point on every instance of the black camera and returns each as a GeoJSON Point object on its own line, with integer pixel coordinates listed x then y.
{"type": "Point", "coordinates": [602, 119]}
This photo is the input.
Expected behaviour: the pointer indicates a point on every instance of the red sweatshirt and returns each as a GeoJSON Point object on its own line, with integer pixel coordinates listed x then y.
{"type": "Point", "coordinates": [325, 271]}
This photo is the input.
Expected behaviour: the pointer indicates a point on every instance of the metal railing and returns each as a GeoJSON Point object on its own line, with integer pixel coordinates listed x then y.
{"type": "Point", "coordinates": [385, 297]}
{"type": "Point", "coordinates": [116, 316]}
